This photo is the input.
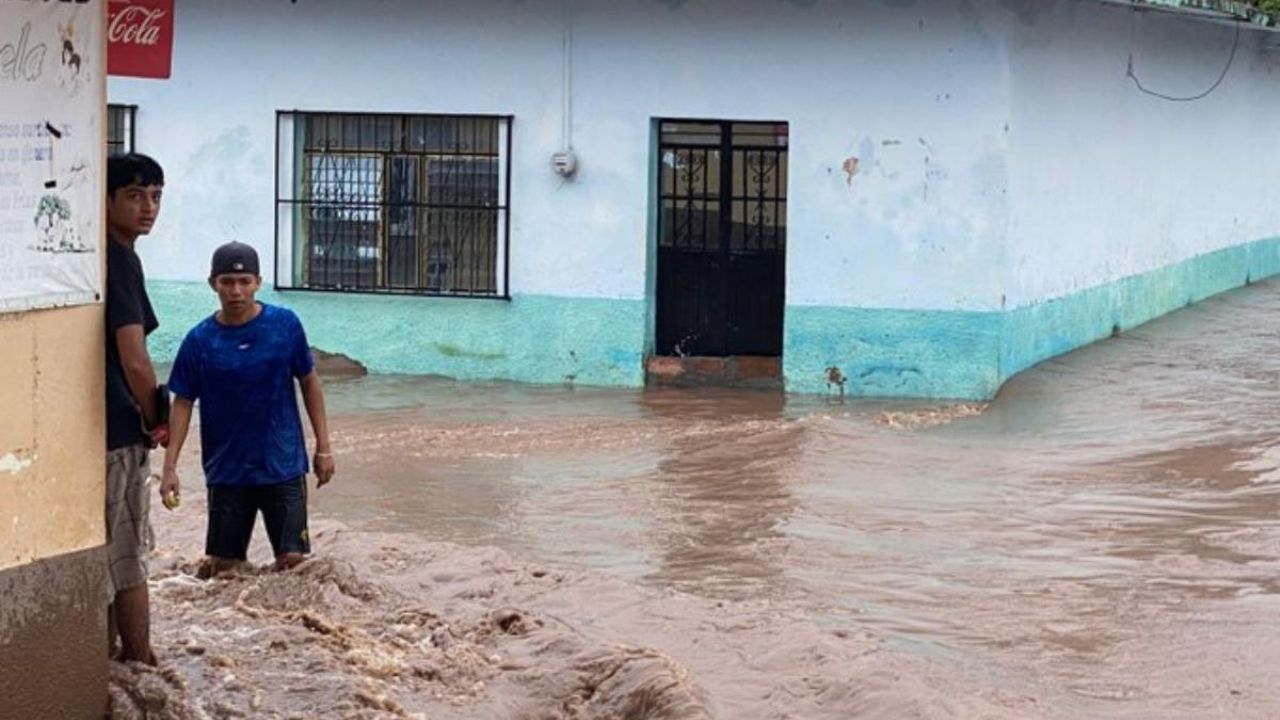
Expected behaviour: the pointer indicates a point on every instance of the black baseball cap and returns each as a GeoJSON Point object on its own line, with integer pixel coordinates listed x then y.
{"type": "Point", "coordinates": [234, 257]}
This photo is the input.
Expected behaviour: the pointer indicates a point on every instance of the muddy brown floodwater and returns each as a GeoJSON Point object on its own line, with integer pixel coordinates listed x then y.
{"type": "Point", "coordinates": [1101, 541]}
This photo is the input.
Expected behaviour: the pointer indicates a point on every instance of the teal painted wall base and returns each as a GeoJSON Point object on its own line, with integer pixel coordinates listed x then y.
{"type": "Point", "coordinates": [871, 352]}
{"type": "Point", "coordinates": [531, 338]}
{"type": "Point", "coordinates": [891, 353]}
{"type": "Point", "coordinates": [969, 355]}
{"type": "Point", "coordinates": [1038, 332]}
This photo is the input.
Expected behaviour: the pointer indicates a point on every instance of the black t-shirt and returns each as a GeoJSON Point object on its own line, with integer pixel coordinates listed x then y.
{"type": "Point", "coordinates": [127, 304]}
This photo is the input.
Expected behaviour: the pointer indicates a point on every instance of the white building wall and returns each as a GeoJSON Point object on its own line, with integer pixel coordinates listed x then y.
{"type": "Point", "coordinates": [916, 92]}
{"type": "Point", "coordinates": [954, 165]}
{"type": "Point", "coordinates": [1107, 181]}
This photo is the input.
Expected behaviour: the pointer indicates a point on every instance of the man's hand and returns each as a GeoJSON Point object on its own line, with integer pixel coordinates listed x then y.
{"type": "Point", "coordinates": [322, 464]}
{"type": "Point", "coordinates": [159, 436]}
{"type": "Point", "coordinates": [170, 490]}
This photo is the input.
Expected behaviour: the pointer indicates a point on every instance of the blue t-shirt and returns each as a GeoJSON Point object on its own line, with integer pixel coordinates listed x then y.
{"type": "Point", "coordinates": [243, 376]}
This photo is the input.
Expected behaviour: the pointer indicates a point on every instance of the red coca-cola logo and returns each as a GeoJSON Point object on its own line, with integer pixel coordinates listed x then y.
{"type": "Point", "coordinates": [136, 24]}
{"type": "Point", "coordinates": [140, 38]}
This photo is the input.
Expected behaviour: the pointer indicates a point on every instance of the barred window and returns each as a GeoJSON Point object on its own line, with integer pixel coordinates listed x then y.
{"type": "Point", "coordinates": [120, 125]}
{"type": "Point", "coordinates": [389, 203]}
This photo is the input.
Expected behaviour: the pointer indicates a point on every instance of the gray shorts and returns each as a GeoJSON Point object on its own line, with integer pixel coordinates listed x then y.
{"type": "Point", "coordinates": [129, 536]}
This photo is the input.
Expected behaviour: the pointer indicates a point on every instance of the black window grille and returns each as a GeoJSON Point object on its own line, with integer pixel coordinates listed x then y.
{"type": "Point", "coordinates": [120, 128]}
{"type": "Point", "coordinates": [390, 203]}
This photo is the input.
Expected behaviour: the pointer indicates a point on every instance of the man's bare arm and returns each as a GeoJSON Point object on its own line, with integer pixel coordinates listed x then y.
{"type": "Point", "coordinates": [313, 398]}
{"type": "Point", "coordinates": [179, 425]}
{"type": "Point", "coordinates": [139, 373]}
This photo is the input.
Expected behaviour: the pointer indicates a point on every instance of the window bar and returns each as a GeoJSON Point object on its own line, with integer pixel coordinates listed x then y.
{"type": "Point", "coordinates": [761, 197]}
{"type": "Point", "coordinates": [448, 215]}
{"type": "Point", "coordinates": [382, 238]}
{"type": "Point", "coordinates": [474, 181]}
{"type": "Point", "coordinates": [505, 168]}
{"type": "Point", "coordinates": [316, 205]}
{"type": "Point", "coordinates": [677, 198]}
{"type": "Point", "coordinates": [275, 240]}
{"type": "Point", "coordinates": [424, 242]}
{"type": "Point", "coordinates": [358, 172]}
{"type": "Point", "coordinates": [329, 201]}
{"type": "Point", "coordinates": [337, 232]}
{"type": "Point", "coordinates": [465, 196]}
{"type": "Point", "coordinates": [468, 178]}
{"type": "Point", "coordinates": [693, 194]}
{"type": "Point", "coordinates": [685, 229]}
{"type": "Point", "coordinates": [726, 218]}
{"type": "Point", "coordinates": [461, 198]}
{"type": "Point", "coordinates": [777, 203]}
{"type": "Point", "coordinates": [338, 175]}
{"type": "Point", "coordinates": [314, 168]}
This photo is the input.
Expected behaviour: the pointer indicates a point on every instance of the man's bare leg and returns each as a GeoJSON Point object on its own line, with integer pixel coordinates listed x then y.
{"type": "Point", "coordinates": [132, 609]}
{"type": "Point", "coordinates": [215, 566]}
{"type": "Point", "coordinates": [288, 561]}
{"type": "Point", "coordinates": [113, 636]}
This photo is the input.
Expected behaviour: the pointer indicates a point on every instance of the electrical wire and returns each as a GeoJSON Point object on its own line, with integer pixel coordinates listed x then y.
{"type": "Point", "coordinates": [566, 81]}
{"type": "Point", "coordinates": [1235, 45]}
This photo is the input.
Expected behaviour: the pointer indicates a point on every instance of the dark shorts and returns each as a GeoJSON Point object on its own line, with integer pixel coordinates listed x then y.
{"type": "Point", "coordinates": [233, 511]}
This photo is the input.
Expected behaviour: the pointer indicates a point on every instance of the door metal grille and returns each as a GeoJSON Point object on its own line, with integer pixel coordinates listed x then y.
{"type": "Point", "coordinates": [721, 237]}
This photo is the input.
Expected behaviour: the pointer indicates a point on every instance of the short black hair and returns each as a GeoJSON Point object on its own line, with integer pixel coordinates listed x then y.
{"type": "Point", "coordinates": [128, 169]}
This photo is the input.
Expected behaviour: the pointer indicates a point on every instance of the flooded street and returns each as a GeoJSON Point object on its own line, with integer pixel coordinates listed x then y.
{"type": "Point", "coordinates": [1101, 541]}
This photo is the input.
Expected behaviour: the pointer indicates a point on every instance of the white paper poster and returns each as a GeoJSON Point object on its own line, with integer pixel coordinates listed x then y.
{"type": "Point", "coordinates": [51, 152]}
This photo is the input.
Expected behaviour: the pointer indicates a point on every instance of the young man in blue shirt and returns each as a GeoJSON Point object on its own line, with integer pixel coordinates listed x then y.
{"type": "Point", "coordinates": [241, 364]}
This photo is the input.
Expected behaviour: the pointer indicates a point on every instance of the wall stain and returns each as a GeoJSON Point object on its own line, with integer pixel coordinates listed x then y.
{"type": "Point", "coordinates": [850, 168]}
{"type": "Point", "coordinates": [17, 461]}
{"type": "Point", "coordinates": [454, 351]}
{"type": "Point", "coordinates": [894, 375]}
{"type": "Point", "coordinates": [1027, 12]}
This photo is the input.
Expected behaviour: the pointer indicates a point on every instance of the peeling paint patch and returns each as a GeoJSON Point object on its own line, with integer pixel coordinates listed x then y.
{"type": "Point", "coordinates": [13, 463]}
{"type": "Point", "coordinates": [454, 351]}
{"type": "Point", "coordinates": [850, 167]}
{"type": "Point", "coordinates": [337, 365]}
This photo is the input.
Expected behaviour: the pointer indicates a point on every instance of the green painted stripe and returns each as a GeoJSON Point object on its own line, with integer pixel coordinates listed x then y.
{"type": "Point", "coordinates": [969, 355]}
{"type": "Point", "coordinates": [531, 338]}
{"type": "Point", "coordinates": [873, 352]}
{"type": "Point", "coordinates": [891, 353]}
{"type": "Point", "coordinates": [1038, 332]}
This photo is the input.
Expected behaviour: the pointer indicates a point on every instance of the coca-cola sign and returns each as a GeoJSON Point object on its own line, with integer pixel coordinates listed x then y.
{"type": "Point", "coordinates": [140, 38]}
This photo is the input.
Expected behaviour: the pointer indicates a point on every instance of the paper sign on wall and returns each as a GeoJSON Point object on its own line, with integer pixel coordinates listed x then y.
{"type": "Point", "coordinates": [51, 153]}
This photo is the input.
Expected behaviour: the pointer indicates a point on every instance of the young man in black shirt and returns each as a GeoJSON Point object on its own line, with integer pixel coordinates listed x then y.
{"type": "Point", "coordinates": [134, 413]}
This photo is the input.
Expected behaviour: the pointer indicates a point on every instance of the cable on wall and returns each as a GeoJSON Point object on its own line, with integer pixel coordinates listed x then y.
{"type": "Point", "coordinates": [1132, 75]}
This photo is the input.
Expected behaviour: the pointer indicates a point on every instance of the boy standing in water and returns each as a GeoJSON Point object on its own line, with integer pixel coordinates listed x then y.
{"type": "Point", "coordinates": [241, 364]}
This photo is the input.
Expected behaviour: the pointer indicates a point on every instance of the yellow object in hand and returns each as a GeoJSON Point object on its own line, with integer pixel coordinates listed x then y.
{"type": "Point", "coordinates": [172, 501]}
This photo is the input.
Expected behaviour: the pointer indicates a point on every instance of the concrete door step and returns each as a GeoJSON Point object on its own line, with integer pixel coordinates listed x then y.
{"type": "Point", "coordinates": [735, 371]}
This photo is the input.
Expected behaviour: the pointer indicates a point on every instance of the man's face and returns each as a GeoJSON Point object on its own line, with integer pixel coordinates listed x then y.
{"type": "Point", "coordinates": [132, 210]}
{"type": "Point", "coordinates": [236, 290]}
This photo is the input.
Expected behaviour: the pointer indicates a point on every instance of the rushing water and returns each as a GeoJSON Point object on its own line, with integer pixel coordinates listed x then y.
{"type": "Point", "coordinates": [1103, 540]}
